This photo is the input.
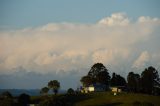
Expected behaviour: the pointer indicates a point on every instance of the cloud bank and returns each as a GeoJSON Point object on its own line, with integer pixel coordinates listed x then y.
{"type": "Point", "coordinates": [117, 41]}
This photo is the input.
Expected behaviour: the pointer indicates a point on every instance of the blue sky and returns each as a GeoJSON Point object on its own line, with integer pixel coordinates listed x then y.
{"type": "Point", "coordinates": [42, 40]}
{"type": "Point", "coordinates": [26, 13]}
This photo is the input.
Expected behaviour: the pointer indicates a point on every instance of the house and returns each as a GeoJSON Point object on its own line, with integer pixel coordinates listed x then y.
{"type": "Point", "coordinates": [87, 89]}
{"type": "Point", "coordinates": [97, 87]}
{"type": "Point", "coordinates": [117, 88]}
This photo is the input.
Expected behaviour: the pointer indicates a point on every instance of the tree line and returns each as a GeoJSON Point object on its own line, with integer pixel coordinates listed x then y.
{"type": "Point", "coordinates": [146, 82]}
{"type": "Point", "coordinates": [143, 83]}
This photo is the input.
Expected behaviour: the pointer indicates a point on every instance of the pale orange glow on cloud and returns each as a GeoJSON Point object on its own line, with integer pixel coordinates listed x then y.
{"type": "Point", "coordinates": [114, 40]}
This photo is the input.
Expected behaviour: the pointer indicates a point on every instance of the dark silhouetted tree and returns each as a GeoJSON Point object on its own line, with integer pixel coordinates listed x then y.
{"type": "Point", "coordinates": [147, 79]}
{"type": "Point", "coordinates": [6, 94]}
{"type": "Point", "coordinates": [133, 82]}
{"type": "Point", "coordinates": [103, 78]}
{"type": "Point", "coordinates": [24, 99]}
{"type": "Point", "coordinates": [117, 80]}
{"type": "Point", "coordinates": [113, 81]}
{"type": "Point", "coordinates": [54, 85]}
{"type": "Point", "coordinates": [86, 80]}
{"type": "Point", "coordinates": [99, 74]}
{"type": "Point", "coordinates": [6, 99]}
{"type": "Point", "coordinates": [44, 90]}
{"type": "Point", "coordinates": [70, 91]}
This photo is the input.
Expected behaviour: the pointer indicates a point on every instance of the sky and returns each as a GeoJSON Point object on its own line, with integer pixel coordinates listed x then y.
{"type": "Point", "coordinates": [42, 40]}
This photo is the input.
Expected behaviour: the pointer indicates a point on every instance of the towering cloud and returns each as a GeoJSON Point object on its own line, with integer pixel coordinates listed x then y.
{"type": "Point", "coordinates": [68, 47]}
{"type": "Point", "coordinates": [142, 60]}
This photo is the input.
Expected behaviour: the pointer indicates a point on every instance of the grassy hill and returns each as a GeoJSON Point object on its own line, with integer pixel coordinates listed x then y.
{"type": "Point", "coordinates": [122, 99]}
{"type": "Point", "coordinates": [106, 99]}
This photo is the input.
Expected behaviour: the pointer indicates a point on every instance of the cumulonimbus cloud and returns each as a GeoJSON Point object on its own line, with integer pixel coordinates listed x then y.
{"type": "Point", "coordinates": [114, 40]}
{"type": "Point", "coordinates": [142, 59]}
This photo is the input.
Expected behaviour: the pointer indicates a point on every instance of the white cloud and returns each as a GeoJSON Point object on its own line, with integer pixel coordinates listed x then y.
{"type": "Point", "coordinates": [111, 56]}
{"type": "Point", "coordinates": [116, 19]}
{"type": "Point", "coordinates": [67, 46]}
{"type": "Point", "coordinates": [142, 60]}
{"type": "Point", "coordinates": [49, 27]}
{"type": "Point", "coordinates": [147, 19]}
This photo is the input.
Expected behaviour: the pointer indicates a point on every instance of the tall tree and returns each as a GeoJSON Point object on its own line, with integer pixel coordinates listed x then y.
{"type": "Point", "coordinates": [117, 80]}
{"type": "Point", "coordinates": [54, 85]}
{"type": "Point", "coordinates": [99, 74]}
{"type": "Point", "coordinates": [147, 79]}
{"type": "Point", "coordinates": [133, 82]}
{"type": "Point", "coordinates": [113, 81]}
{"type": "Point", "coordinates": [86, 80]}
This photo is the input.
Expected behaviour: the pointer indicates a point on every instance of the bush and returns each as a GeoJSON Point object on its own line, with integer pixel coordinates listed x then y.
{"type": "Point", "coordinates": [70, 91]}
{"type": "Point", "coordinates": [47, 102]}
{"type": "Point", "coordinates": [6, 94]}
{"type": "Point", "coordinates": [53, 101]}
{"type": "Point", "coordinates": [6, 102]}
{"type": "Point", "coordinates": [24, 99]}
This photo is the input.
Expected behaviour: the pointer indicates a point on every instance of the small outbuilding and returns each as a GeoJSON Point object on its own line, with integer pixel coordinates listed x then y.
{"type": "Point", "coordinates": [117, 88]}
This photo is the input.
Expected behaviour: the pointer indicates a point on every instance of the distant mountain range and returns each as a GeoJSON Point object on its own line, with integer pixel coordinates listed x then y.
{"type": "Point", "coordinates": [31, 92]}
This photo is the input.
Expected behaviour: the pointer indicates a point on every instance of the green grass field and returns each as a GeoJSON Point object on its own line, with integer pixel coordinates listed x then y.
{"type": "Point", "coordinates": [122, 99]}
{"type": "Point", "coordinates": [108, 99]}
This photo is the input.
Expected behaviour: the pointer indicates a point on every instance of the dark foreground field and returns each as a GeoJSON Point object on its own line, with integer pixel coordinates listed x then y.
{"type": "Point", "coordinates": [108, 99]}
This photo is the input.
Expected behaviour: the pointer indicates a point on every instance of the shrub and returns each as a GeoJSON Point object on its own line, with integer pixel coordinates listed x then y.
{"type": "Point", "coordinates": [70, 91]}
